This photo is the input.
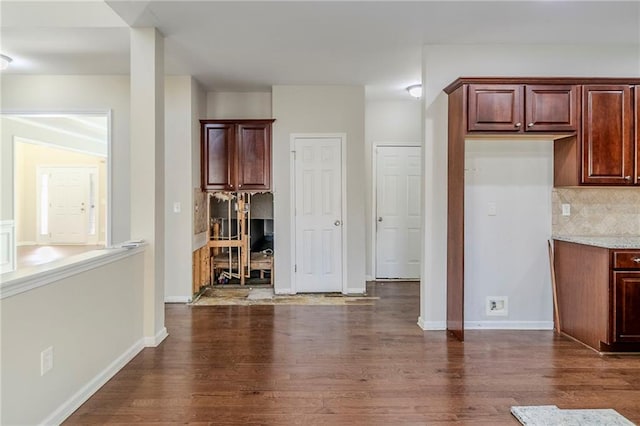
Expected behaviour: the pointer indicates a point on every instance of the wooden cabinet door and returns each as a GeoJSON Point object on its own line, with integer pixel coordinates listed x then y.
{"type": "Point", "coordinates": [607, 135]}
{"type": "Point", "coordinates": [626, 307]}
{"type": "Point", "coordinates": [254, 156]}
{"type": "Point", "coordinates": [218, 146]}
{"type": "Point", "coordinates": [495, 107]}
{"type": "Point", "coordinates": [637, 133]}
{"type": "Point", "coordinates": [551, 108]}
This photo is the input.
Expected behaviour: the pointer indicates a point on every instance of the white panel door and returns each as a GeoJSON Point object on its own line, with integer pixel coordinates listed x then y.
{"type": "Point", "coordinates": [318, 215]}
{"type": "Point", "coordinates": [398, 174]}
{"type": "Point", "coordinates": [68, 205]}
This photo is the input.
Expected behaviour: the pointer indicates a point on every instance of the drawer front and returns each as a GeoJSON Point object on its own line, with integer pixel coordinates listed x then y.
{"type": "Point", "coordinates": [626, 260]}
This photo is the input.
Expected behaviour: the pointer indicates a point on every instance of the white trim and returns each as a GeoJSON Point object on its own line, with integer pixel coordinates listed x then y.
{"type": "Point", "coordinates": [177, 299]}
{"type": "Point", "coordinates": [8, 228]}
{"type": "Point", "coordinates": [284, 291]}
{"type": "Point", "coordinates": [153, 341]}
{"type": "Point", "coordinates": [374, 197]}
{"type": "Point", "coordinates": [23, 280]}
{"type": "Point", "coordinates": [80, 397]}
{"type": "Point", "coordinates": [26, 243]}
{"type": "Point", "coordinates": [508, 325]}
{"type": "Point", "coordinates": [432, 325]}
{"type": "Point", "coordinates": [369, 278]}
{"type": "Point", "coordinates": [292, 198]}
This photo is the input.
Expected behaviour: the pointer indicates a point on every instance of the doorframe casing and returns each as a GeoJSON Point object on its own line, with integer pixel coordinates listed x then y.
{"type": "Point", "coordinates": [343, 200]}
{"type": "Point", "coordinates": [374, 200]}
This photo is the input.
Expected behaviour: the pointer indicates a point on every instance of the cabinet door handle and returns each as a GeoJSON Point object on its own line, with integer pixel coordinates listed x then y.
{"type": "Point", "coordinates": [518, 124]}
{"type": "Point", "coordinates": [636, 259]}
{"type": "Point", "coordinates": [627, 178]}
{"type": "Point", "coordinates": [530, 125]}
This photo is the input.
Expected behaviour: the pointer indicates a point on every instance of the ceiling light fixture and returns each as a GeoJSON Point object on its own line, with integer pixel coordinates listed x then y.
{"type": "Point", "coordinates": [415, 90]}
{"type": "Point", "coordinates": [4, 62]}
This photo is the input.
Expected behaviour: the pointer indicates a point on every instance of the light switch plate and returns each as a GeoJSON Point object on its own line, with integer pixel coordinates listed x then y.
{"type": "Point", "coordinates": [566, 210]}
{"type": "Point", "coordinates": [492, 209]}
{"type": "Point", "coordinates": [177, 207]}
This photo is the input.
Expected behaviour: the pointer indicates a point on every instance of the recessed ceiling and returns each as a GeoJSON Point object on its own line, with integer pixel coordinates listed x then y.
{"type": "Point", "coordinates": [251, 46]}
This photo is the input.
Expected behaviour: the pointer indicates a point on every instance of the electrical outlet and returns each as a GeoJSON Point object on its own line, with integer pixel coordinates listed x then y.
{"type": "Point", "coordinates": [497, 306]}
{"type": "Point", "coordinates": [492, 208]}
{"type": "Point", "coordinates": [177, 207]}
{"type": "Point", "coordinates": [46, 360]}
{"type": "Point", "coordinates": [566, 210]}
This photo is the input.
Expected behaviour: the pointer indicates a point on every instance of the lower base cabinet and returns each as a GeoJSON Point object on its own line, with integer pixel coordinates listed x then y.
{"type": "Point", "coordinates": [599, 295]}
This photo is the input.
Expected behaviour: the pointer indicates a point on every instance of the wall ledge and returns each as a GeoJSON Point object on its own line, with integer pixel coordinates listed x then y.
{"type": "Point", "coordinates": [23, 280]}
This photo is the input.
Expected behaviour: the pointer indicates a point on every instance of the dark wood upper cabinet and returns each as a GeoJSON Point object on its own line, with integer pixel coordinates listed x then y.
{"type": "Point", "coordinates": [522, 108]}
{"type": "Point", "coordinates": [495, 107]}
{"type": "Point", "coordinates": [608, 149]}
{"type": "Point", "coordinates": [254, 156]}
{"type": "Point", "coordinates": [218, 144]}
{"type": "Point", "coordinates": [551, 108]}
{"type": "Point", "coordinates": [236, 155]}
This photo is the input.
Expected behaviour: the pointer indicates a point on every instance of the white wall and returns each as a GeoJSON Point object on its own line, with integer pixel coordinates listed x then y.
{"type": "Point", "coordinates": [93, 321]}
{"type": "Point", "coordinates": [442, 64]}
{"type": "Point", "coordinates": [178, 188]}
{"type": "Point", "coordinates": [386, 123]}
{"type": "Point", "coordinates": [506, 253]}
{"type": "Point", "coordinates": [230, 105]}
{"type": "Point", "coordinates": [75, 93]}
{"type": "Point", "coordinates": [319, 109]}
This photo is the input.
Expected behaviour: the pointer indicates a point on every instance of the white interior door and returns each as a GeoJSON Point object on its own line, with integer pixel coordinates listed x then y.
{"type": "Point", "coordinates": [318, 214]}
{"type": "Point", "coordinates": [398, 174]}
{"type": "Point", "coordinates": [67, 191]}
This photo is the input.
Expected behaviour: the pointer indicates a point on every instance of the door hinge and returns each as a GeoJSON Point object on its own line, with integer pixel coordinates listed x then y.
{"type": "Point", "coordinates": [295, 268]}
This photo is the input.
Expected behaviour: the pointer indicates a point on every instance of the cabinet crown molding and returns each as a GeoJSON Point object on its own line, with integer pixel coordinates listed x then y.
{"type": "Point", "coordinates": [540, 80]}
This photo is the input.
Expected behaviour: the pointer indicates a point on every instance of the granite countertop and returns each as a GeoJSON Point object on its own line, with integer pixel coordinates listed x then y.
{"type": "Point", "coordinates": [610, 242]}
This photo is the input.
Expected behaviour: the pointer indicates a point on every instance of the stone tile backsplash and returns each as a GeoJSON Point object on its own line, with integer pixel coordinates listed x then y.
{"type": "Point", "coordinates": [596, 211]}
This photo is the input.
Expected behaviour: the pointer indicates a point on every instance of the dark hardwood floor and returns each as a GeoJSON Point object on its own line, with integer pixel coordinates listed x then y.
{"type": "Point", "coordinates": [360, 365]}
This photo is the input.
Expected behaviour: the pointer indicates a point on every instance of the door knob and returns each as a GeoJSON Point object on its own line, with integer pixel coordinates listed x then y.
{"type": "Point", "coordinates": [337, 223]}
{"type": "Point", "coordinates": [380, 219]}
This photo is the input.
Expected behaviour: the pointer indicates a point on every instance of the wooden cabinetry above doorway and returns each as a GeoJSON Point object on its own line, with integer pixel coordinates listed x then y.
{"type": "Point", "coordinates": [594, 122]}
{"type": "Point", "coordinates": [236, 155]}
{"type": "Point", "coordinates": [522, 108]}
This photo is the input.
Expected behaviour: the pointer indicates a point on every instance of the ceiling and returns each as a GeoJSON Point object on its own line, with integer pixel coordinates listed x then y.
{"type": "Point", "coordinates": [251, 46]}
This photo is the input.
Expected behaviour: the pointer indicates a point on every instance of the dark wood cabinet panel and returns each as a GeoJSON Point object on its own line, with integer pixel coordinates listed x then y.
{"type": "Point", "coordinates": [637, 129]}
{"type": "Point", "coordinates": [599, 295]}
{"type": "Point", "coordinates": [608, 150]}
{"type": "Point", "coordinates": [217, 159]}
{"type": "Point", "coordinates": [236, 155]}
{"type": "Point", "coordinates": [495, 107]}
{"type": "Point", "coordinates": [626, 310]}
{"type": "Point", "coordinates": [551, 108]}
{"type": "Point", "coordinates": [254, 155]}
